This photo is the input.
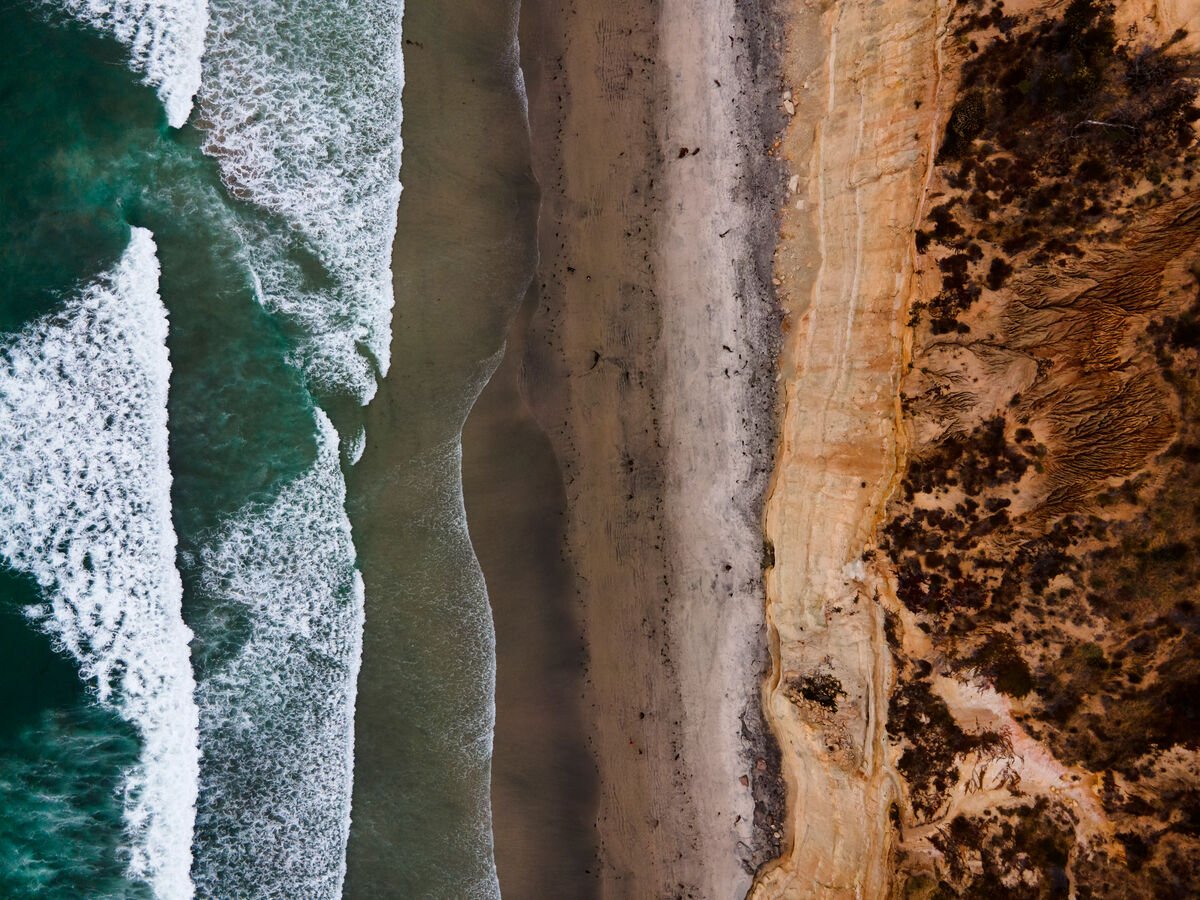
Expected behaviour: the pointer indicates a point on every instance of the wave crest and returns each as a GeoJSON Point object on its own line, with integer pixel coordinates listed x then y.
{"type": "Point", "coordinates": [165, 40]}
{"type": "Point", "coordinates": [278, 711]}
{"type": "Point", "coordinates": [85, 508]}
{"type": "Point", "coordinates": [301, 107]}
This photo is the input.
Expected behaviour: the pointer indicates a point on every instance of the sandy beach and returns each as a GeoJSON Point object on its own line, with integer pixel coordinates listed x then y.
{"type": "Point", "coordinates": [648, 365]}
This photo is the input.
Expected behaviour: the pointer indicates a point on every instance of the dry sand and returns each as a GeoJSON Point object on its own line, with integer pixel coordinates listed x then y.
{"type": "Point", "coordinates": [649, 366]}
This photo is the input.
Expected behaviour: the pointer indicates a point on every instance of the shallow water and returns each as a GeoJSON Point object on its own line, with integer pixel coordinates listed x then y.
{"type": "Point", "coordinates": [464, 256]}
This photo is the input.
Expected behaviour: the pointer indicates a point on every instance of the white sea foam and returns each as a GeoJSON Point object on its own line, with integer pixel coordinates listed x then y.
{"type": "Point", "coordinates": [85, 508]}
{"type": "Point", "coordinates": [165, 40]}
{"type": "Point", "coordinates": [278, 715]}
{"type": "Point", "coordinates": [356, 446]}
{"type": "Point", "coordinates": [301, 104]}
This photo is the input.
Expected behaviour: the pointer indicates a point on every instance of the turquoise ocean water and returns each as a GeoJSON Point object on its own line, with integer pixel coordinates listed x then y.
{"type": "Point", "coordinates": [198, 211]}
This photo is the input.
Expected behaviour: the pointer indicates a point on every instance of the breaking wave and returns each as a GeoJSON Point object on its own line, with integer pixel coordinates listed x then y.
{"type": "Point", "coordinates": [277, 708]}
{"type": "Point", "coordinates": [85, 508]}
{"type": "Point", "coordinates": [165, 40]}
{"type": "Point", "coordinates": [300, 103]}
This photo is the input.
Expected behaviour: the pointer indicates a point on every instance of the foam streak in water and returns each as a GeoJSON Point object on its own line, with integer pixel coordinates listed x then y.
{"type": "Point", "coordinates": [301, 105]}
{"type": "Point", "coordinates": [277, 715]}
{"type": "Point", "coordinates": [165, 40]}
{"type": "Point", "coordinates": [85, 508]}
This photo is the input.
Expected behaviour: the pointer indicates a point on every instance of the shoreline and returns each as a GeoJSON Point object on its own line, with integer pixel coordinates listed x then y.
{"type": "Point", "coordinates": [462, 260]}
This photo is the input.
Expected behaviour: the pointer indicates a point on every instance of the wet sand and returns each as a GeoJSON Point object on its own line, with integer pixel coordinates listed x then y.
{"type": "Point", "coordinates": [543, 779]}
{"type": "Point", "coordinates": [462, 260]}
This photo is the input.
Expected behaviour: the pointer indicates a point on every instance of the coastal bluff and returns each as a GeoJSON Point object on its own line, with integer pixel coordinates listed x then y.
{"type": "Point", "coordinates": [980, 582]}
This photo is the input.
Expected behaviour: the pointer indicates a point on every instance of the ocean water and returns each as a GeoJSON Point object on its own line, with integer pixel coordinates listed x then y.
{"type": "Point", "coordinates": [85, 506]}
{"type": "Point", "coordinates": [198, 216]}
{"type": "Point", "coordinates": [464, 256]}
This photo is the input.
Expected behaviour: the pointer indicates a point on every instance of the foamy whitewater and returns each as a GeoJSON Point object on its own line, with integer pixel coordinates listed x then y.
{"type": "Point", "coordinates": [300, 102]}
{"type": "Point", "coordinates": [85, 508]}
{"type": "Point", "coordinates": [278, 717]}
{"type": "Point", "coordinates": [165, 40]}
{"type": "Point", "coordinates": [249, 771]}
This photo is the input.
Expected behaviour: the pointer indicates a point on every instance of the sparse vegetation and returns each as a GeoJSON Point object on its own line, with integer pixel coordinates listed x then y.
{"type": "Point", "coordinates": [935, 744]}
{"type": "Point", "coordinates": [820, 688]}
{"type": "Point", "coordinates": [1024, 855]}
{"type": "Point", "coordinates": [1052, 123]}
{"type": "Point", "coordinates": [1048, 540]}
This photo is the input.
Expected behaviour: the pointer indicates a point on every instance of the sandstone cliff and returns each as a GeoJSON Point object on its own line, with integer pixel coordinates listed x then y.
{"type": "Point", "coordinates": [980, 593]}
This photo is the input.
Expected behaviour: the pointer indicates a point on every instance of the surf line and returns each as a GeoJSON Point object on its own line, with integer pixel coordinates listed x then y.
{"type": "Point", "coordinates": [85, 508]}
{"type": "Point", "coordinates": [165, 39]}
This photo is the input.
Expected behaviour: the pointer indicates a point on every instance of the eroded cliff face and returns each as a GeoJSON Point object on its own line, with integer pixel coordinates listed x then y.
{"type": "Point", "coordinates": [983, 538]}
{"type": "Point", "coordinates": [861, 81]}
